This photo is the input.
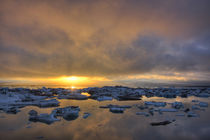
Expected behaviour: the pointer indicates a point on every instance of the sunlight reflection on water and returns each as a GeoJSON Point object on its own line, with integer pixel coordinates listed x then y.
{"type": "Point", "coordinates": [86, 94]}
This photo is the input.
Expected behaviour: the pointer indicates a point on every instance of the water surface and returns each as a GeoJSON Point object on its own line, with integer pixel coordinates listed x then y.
{"type": "Point", "coordinates": [103, 125]}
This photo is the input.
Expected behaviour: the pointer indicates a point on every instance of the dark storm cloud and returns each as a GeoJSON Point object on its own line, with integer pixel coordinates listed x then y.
{"type": "Point", "coordinates": [104, 38]}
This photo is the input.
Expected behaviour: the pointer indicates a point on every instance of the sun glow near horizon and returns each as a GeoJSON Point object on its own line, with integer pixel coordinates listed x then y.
{"type": "Point", "coordinates": [71, 79]}
{"type": "Point", "coordinates": [75, 81]}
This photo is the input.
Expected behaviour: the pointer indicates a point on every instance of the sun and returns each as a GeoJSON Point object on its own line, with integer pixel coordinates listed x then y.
{"type": "Point", "coordinates": [73, 87]}
{"type": "Point", "coordinates": [77, 81]}
{"type": "Point", "coordinates": [71, 78]}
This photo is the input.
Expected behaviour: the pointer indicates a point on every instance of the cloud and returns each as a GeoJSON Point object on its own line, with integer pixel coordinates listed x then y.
{"type": "Point", "coordinates": [103, 38]}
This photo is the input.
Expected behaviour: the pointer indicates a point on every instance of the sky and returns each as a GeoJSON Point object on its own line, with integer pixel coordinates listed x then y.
{"type": "Point", "coordinates": [104, 40]}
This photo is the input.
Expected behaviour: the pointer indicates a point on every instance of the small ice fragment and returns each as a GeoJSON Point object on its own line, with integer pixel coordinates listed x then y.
{"type": "Point", "coordinates": [168, 110]}
{"type": "Point", "coordinates": [177, 105]}
{"type": "Point", "coordinates": [142, 107]}
{"type": "Point", "coordinates": [157, 104]}
{"type": "Point", "coordinates": [203, 104]}
{"type": "Point", "coordinates": [48, 103]}
{"type": "Point", "coordinates": [192, 114]}
{"type": "Point", "coordinates": [86, 114]}
{"type": "Point", "coordinates": [33, 113]}
{"type": "Point", "coordinates": [195, 101]}
{"type": "Point", "coordinates": [205, 95]}
{"type": "Point", "coordinates": [28, 126]}
{"type": "Point", "coordinates": [104, 98]}
{"type": "Point", "coordinates": [142, 113]}
{"type": "Point", "coordinates": [194, 107]}
{"type": "Point", "coordinates": [116, 109]}
{"type": "Point", "coordinates": [121, 106]}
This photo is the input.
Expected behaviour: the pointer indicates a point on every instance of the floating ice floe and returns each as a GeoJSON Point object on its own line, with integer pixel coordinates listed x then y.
{"type": "Point", "coordinates": [74, 96]}
{"type": "Point", "coordinates": [142, 107]}
{"type": "Point", "coordinates": [151, 111]}
{"type": "Point", "coordinates": [205, 95]}
{"type": "Point", "coordinates": [168, 110]}
{"type": "Point", "coordinates": [47, 103]}
{"type": "Point", "coordinates": [39, 103]}
{"type": "Point", "coordinates": [195, 107]}
{"type": "Point", "coordinates": [68, 113]}
{"type": "Point", "coordinates": [116, 108]}
{"type": "Point", "coordinates": [116, 92]}
{"type": "Point", "coordinates": [177, 105]}
{"type": "Point", "coordinates": [104, 98]}
{"type": "Point", "coordinates": [203, 104]}
{"type": "Point", "coordinates": [10, 109]}
{"type": "Point", "coordinates": [192, 114]}
{"type": "Point", "coordinates": [128, 97]}
{"type": "Point", "coordinates": [121, 106]}
{"type": "Point", "coordinates": [157, 104]}
{"type": "Point", "coordinates": [12, 101]}
{"type": "Point", "coordinates": [44, 117]}
{"type": "Point", "coordinates": [195, 101]}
